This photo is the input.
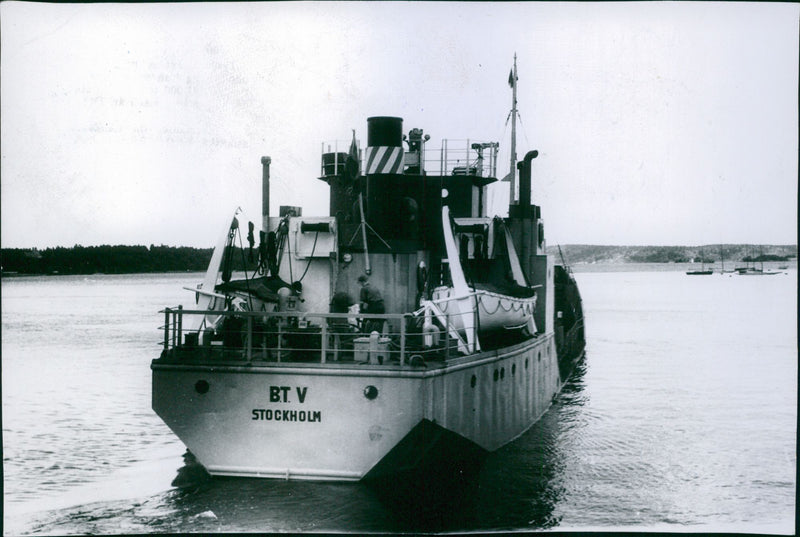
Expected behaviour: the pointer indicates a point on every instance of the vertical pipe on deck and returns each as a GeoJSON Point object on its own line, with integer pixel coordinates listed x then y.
{"type": "Point", "coordinates": [403, 341]}
{"type": "Point", "coordinates": [180, 324]}
{"type": "Point", "coordinates": [249, 338]}
{"type": "Point", "coordinates": [442, 156]}
{"type": "Point", "coordinates": [166, 329]}
{"type": "Point", "coordinates": [174, 326]}
{"type": "Point", "coordinates": [264, 333]}
{"type": "Point", "coordinates": [279, 340]}
{"type": "Point", "coordinates": [447, 337]}
{"type": "Point", "coordinates": [476, 345]}
{"type": "Point", "coordinates": [265, 162]}
{"type": "Point", "coordinates": [323, 344]}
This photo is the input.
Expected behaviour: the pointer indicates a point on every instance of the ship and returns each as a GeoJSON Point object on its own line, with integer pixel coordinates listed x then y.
{"type": "Point", "coordinates": [750, 268]}
{"type": "Point", "coordinates": [407, 332]}
{"type": "Point", "coordinates": [703, 271]}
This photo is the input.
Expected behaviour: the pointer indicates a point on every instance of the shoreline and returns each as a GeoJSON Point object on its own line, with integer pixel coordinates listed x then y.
{"type": "Point", "coordinates": [580, 267]}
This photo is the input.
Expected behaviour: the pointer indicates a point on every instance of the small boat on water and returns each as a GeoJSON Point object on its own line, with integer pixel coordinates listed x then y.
{"type": "Point", "coordinates": [703, 271]}
{"type": "Point", "coordinates": [751, 270]}
{"type": "Point", "coordinates": [407, 333]}
{"type": "Point", "coordinates": [722, 269]}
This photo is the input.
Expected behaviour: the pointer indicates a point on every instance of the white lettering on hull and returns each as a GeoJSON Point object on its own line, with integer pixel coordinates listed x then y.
{"type": "Point", "coordinates": [268, 414]}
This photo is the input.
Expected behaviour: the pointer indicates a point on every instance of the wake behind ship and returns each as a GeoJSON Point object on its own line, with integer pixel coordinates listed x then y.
{"type": "Point", "coordinates": [406, 332]}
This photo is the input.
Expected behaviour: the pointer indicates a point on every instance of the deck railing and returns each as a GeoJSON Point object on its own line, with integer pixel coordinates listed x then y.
{"type": "Point", "coordinates": [455, 157]}
{"type": "Point", "coordinates": [388, 339]}
{"type": "Point", "coordinates": [465, 157]}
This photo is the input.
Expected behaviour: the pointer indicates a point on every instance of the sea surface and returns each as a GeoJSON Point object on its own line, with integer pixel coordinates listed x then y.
{"type": "Point", "coordinates": [682, 417]}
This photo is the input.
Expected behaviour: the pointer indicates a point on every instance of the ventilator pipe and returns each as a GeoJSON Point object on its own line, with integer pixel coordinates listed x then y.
{"type": "Point", "coordinates": [265, 162]}
{"type": "Point", "coordinates": [525, 178]}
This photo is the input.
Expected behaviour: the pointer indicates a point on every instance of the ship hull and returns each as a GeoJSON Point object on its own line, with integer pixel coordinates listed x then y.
{"type": "Point", "coordinates": [347, 421]}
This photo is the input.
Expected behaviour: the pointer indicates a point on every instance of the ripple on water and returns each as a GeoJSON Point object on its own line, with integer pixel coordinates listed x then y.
{"type": "Point", "coordinates": [682, 418]}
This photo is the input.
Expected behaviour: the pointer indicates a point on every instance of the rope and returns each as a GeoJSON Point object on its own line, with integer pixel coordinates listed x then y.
{"type": "Point", "coordinates": [480, 303]}
{"type": "Point", "coordinates": [288, 250]}
{"type": "Point", "coordinates": [261, 267]}
{"type": "Point", "coordinates": [505, 128]}
{"type": "Point", "coordinates": [513, 306]}
{"type": "Point", "coordinates": [525, 134]}
{"type": "Point", "coordinates": [310, 257]}
{"type": "Point", "coordinates": [246, 279]}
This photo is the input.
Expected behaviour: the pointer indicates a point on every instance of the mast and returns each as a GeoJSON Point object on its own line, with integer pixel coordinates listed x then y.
{"type": "Point", "coordinates": [512, 80]}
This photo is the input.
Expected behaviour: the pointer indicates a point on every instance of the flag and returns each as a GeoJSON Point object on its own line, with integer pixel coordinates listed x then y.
{"type": "Point", "coordinates": [352, 168]}
{"type": "Point", "coordinates": [352, 165]}
{"type": "Point", "coordinates": [511, 79]}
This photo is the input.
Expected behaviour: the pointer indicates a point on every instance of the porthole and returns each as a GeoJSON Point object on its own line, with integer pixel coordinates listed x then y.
{"type": "Point", "coordinates": [370, 392]}
{"type": "Point", "coordinates": [496, 375]}
{"type": "Point", "coordinates": [526, 363]}
{"type": "Point", "coordinates": [513, 369]}
{"type": "Point", "coordinates": [473, 381]}
{"type": "Point", "coordinates": [502, 372]}
{"type": "Point", "coordinates": [201, 386]}
{"type": "Point", "coordinates": [540, 356]}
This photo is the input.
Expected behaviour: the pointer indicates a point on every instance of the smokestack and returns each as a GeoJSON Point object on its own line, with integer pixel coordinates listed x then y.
{"type": "Point", "coordinates": [265, 161]}
{"type": "Point", "coordinates": [525, 178]}
{"type": "Point", "coordinates": [384, 146]}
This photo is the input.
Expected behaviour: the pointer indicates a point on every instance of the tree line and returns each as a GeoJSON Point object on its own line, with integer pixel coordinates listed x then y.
{"type": "Point", "coordinates": [136, 259]}
{"type": "Point", "coordinates": [111, 259]}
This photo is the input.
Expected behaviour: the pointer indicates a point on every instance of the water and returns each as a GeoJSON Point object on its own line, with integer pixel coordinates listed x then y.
{"type": "Point", "coordinates": [682, 418]}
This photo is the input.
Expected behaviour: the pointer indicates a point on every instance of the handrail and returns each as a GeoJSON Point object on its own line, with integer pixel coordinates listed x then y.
{"type": "Point", "coordinates": [466, 157]}
{"type": "Point", "coordinates": [247, 313]}
{"type": "Point", "coordinates": [302, 336]}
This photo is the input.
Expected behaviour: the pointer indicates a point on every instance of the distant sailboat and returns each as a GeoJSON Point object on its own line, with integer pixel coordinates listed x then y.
{"type": "Point", "coordinates": [783, 267]}
{"type": "Point", "coordinates": [746, 268]}
{"type": "Point", "coordinates": [753, 271]}
{"type": "Point", "coordinates": [722, 261]}
{"type": "Point", "coordinates": [702, 271]}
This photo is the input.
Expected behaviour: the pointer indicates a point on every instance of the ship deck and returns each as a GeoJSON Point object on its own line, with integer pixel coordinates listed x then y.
{"type": "Point", "coordinates": [319, 344]}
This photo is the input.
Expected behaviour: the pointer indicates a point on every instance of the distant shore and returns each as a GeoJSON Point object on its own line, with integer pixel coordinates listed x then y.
{"type": "Point", "coordinates": [121, 259]}
{"type": "Point", "coordinates": [580, 268]}
{"type": "Point", "coordinates": [710, 254]}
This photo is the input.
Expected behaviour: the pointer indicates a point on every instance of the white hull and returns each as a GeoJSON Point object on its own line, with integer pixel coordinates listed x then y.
{"type": "Point", "coordinates": [251, 422]}
{"type": "Point", "coordinates": [291, 390]}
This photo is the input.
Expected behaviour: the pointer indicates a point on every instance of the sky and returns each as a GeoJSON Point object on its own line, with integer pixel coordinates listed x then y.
{"type": "Point", "coordinates": [657, 123]}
